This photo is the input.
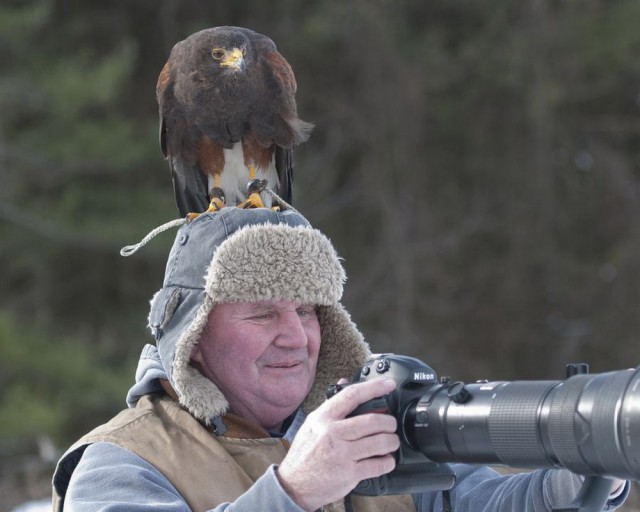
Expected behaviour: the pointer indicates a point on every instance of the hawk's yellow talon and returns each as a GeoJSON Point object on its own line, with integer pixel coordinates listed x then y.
{"type": "Point", "coordinates": [254, 187]}
{"type": "Point", "coordinates": [215, 205]}
{"type": "Point", "coordinates": [253, 201]}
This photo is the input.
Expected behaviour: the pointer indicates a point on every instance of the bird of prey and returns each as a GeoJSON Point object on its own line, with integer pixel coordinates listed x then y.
{"type": "Point", "coordinates": [228, 120]}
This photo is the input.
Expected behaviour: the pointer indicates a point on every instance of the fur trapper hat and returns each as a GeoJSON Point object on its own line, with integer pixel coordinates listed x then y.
{"type": "Point", "coordinates": [237, 255]}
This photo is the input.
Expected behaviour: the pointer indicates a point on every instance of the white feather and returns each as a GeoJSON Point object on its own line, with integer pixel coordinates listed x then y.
{"type": "Point", "coordinates": [235, 177]}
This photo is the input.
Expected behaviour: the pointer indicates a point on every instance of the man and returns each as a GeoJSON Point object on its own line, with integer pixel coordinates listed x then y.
{"type": "Point", "coordinates": [249, 333]}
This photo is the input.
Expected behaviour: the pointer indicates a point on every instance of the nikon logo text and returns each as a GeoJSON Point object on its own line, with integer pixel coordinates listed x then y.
{"type": "Point", "coordinates": [423, 376]}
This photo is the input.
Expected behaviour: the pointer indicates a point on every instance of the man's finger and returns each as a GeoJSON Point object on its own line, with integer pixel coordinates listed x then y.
{"type": "Point", "coordinates": [375, 446]}
{"type": "Point", "coordinates": [340, 405]}
{"type": "Point", "coordinates": [365, 425]}
{"type": "Point", "coordinates": [376, 466]}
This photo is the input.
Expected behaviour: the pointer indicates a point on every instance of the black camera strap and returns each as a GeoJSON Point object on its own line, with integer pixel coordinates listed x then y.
{"type": "Point", "coordinates": [446, 501]}
{"type": "Point", "coordinates": [348, 506]}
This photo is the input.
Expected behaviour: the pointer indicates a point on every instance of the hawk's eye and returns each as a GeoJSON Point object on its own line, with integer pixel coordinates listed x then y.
{"type": "Point", "coordinates": [217, 53]}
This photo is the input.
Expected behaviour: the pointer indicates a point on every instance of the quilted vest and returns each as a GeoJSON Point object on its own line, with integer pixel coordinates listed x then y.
{"type": "Point", "coordinates": [205, 469]}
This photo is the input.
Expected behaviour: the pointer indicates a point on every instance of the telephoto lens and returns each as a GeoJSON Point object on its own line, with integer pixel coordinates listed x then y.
{"type": "Point", "coordinates": [588, 423]}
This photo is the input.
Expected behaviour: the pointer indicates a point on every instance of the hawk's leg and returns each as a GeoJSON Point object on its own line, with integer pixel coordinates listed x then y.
{"type": "Point", "coordinates": [217, 199]}
{"type": "Point", "coordinates": [254, 187]}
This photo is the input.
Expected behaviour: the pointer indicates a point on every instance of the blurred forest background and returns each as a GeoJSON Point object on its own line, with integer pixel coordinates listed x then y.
{"type": "Point", "coordinates": [477, 165]}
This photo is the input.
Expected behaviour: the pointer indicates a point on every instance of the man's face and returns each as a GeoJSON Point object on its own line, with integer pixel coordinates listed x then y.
{"type": "Point", "coordinates": [262, 356]}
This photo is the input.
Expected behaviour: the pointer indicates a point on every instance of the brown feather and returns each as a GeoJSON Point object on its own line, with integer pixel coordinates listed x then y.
{"type": "Point", "coordinates": [210, 156]}
{"type": "Point", "coordinates": [255, 153]}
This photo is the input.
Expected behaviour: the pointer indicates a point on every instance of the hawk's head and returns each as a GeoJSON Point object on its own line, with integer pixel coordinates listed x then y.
{"type": "Point", "coordinates": [230, 58]}
{"type": "Point", "coordinates": [221, 51]}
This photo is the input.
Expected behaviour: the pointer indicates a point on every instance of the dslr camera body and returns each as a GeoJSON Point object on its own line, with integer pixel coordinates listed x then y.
{"type": "Point", "coordinates": [414, 471]}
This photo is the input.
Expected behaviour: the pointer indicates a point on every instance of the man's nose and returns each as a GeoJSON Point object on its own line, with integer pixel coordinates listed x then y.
{"type": "Point", "coordinates": [291, 331]}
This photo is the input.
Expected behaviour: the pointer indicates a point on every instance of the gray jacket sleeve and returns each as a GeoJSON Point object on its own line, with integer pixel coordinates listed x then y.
{"type": "Point", "coordinates": [113, 479]}
{"type": "Point", "coordinates": [481, 489]}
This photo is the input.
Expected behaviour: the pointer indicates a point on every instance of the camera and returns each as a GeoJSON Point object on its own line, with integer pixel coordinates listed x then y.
{"type": "Point", "coordinates": [586, 423]}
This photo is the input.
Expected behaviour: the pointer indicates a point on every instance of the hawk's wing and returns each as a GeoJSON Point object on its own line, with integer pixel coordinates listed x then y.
{"type": "Point", "coordinates": [190, 184]}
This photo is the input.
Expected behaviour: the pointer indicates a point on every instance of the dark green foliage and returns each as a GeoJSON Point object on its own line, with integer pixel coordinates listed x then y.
{"type": "Point", "coordinates": [53, 386]}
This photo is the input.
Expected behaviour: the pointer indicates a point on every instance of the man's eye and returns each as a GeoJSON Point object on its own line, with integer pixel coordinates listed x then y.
{"type": "Point", "coordinates": [306, 311]}
{"type": "Point", "coordinates": [262, 316]}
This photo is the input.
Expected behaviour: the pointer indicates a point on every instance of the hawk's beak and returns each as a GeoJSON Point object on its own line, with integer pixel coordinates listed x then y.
{"type": "Point", "coordinates": [235, 59]}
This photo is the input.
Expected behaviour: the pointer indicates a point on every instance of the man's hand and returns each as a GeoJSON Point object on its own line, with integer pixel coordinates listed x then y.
{"type": "Point", "coordinates": [617, 486]}
{"type": "Point", "coordinates": [332, 453]}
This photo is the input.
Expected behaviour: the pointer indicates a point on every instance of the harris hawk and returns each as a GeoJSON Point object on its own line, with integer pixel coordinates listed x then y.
{"type": "Point", "coordinates": [228, 119]}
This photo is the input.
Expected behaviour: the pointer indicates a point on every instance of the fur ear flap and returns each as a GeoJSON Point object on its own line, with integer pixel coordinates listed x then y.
{"type": "Point", "coordinates": [342, 352]}
{"type": "Point", "coordinates": [197, 393]}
